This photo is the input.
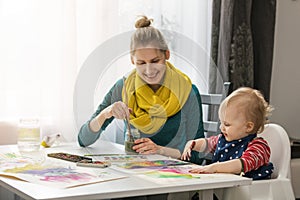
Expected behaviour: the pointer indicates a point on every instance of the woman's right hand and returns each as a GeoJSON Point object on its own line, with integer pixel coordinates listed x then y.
{"type": "Point", "coordinates": [186, 155]}
{"type": "Point", "coordinates": [118, 110]}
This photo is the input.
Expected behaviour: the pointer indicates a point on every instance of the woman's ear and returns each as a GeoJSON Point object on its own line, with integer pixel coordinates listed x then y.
{"type": "Point", "coordinates": [167, 54]}
{"type": "Point", "coordinates": [249, 127]}
{"type": "Point", "coordinates": [132, 61]}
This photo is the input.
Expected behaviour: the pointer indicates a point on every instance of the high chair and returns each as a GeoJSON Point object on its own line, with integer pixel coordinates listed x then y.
{"type": "Point", "coordinates": [279, 186]}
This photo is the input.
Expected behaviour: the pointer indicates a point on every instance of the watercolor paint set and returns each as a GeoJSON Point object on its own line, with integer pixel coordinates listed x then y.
{"type": "Point", "coordinates": [69, 157]}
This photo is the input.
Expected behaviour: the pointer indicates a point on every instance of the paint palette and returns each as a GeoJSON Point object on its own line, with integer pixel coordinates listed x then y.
{"type": "Point", "coordinates": [69, 157]}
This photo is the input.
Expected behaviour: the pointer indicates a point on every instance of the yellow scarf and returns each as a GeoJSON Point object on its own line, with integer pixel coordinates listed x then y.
{"type": "Point", "coordinates": [151, 109]}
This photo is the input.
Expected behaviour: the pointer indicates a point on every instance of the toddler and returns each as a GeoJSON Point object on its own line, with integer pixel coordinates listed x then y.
{"type": "Point", "coordinates": [237, 149]}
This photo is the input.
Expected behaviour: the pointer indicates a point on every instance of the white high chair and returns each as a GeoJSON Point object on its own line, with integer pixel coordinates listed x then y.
{"type": "Point", "coordinates": [279, 186]}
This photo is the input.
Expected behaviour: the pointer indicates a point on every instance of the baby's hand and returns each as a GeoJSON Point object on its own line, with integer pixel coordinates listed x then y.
{"type": "Point", "coordinates": [207, 169]}
{"type": "Point", "coordinates": [186, 155]}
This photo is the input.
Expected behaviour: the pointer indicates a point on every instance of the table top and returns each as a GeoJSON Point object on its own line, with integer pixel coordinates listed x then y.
{"type": "Point", "coordinates": [132, 184]}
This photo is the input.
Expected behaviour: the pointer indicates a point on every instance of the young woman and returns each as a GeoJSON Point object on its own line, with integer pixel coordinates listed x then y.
{"type": "Point", "coordinates": [157, 98]}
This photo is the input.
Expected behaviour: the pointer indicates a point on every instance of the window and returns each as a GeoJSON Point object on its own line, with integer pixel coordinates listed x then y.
{"type": "Point", "coordinates": [44, 43]}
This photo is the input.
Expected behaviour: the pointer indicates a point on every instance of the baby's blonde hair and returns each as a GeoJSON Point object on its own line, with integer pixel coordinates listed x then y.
{"type": "Point", "coordinates": [252, 103]}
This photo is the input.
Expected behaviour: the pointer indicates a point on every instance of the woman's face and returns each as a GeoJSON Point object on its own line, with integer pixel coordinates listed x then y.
{"type": "Point", "coordinates": [150, 65]}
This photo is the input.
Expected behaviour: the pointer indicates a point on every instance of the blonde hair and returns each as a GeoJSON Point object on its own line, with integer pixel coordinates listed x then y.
{"type": "Point", "coordinates": [252, 103]}
{"type": "Point", "coordinates": [146, 35]}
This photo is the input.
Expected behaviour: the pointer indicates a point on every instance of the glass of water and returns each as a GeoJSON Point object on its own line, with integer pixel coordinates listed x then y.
{"type": "Point", "coordinates": [28, 135]}
{"type": "Point", "coordinates": [129, 140]}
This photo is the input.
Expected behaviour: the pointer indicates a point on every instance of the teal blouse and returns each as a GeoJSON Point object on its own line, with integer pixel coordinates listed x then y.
{"type": "Point", "coordinates": [185, 125]}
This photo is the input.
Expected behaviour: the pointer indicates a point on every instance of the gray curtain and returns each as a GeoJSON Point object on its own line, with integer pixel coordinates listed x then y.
{"type": "Point", "coordinates": [241, 45]}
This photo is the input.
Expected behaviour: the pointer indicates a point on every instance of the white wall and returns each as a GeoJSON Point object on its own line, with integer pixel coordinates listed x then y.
{"type": "Point", "coordinates": [285, 92]}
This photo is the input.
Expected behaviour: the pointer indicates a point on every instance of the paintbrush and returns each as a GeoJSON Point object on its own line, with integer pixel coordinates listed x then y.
{"type": "Point", "coordinates": [127, 118]}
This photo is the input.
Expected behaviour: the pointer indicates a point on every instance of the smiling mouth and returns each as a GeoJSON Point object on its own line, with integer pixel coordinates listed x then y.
{"type": "Point", "coordinates": [151, 76]}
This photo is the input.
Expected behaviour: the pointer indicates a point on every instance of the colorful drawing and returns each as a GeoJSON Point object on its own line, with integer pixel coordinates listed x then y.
{"type": "Point", "coordinates": [9, 155]}
{"type": "Point", "coordinates": [153, 164]}
{"type": "Point", "coordinates": [58, 176]}
{"type": "Point", "coordinates": [12, 160]}
{"type": "Point", "coordinates": [53, 174]}
{"type": "Point", "coordinates": [171, 173]}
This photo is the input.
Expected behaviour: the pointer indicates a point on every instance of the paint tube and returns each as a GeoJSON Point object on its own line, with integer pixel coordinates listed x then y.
{"type": "Point", "coordinates": [49, 140]}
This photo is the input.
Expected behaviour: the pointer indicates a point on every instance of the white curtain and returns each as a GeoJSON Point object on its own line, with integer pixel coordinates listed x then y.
{"type": "Point", "coordinates": [44, 43]}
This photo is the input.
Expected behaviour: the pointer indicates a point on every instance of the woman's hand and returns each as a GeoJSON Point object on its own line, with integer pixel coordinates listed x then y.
{"type": "Point", "coordinates": [186, 155]}
{"type": "Point", "coordinates": [119, 110]}
{"type": "Point", "coordinates": [145, 146]}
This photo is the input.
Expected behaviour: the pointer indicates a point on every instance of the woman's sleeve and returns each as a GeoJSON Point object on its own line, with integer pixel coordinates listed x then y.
{"type": "Point", "coordinates": [194, 123]}
{"type": "Point", "coordinates": [86, 136]}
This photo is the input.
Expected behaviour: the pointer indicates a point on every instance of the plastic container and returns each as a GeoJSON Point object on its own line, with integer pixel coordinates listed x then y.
{"type": "Point", "coordinates": [129, 140]}
{"type": "Point", "coordinates": [29, 135]}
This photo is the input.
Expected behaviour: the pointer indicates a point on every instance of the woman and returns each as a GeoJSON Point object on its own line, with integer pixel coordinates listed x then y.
{"type": "Point", "coordinates": [158, 99]}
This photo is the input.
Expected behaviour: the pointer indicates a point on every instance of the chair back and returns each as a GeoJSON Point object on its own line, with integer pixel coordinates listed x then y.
{"type": "Point", "coordinates": [279, 143]}
{"type": "Point", "coordinates": [212, 127]}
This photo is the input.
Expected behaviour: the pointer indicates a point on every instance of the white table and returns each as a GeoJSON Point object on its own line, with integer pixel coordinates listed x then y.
{"type": "Point", "coordinates": [132, 185]}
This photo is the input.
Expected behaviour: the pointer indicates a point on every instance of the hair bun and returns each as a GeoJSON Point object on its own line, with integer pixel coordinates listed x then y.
{"type": "Point", "coordinates": [143, 21]}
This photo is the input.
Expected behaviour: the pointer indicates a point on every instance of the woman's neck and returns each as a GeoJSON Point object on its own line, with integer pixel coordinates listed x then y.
{"type": "Point", "coordinates": [154, 87]}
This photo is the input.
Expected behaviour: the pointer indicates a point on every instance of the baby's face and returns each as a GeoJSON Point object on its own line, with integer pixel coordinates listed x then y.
{"type": "Point", "coordinates": [233, 123]}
